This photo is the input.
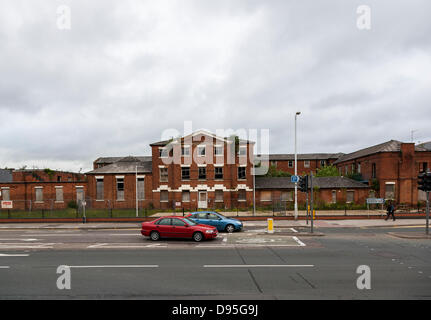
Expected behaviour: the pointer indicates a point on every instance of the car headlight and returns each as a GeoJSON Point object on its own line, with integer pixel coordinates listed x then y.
{"type": "Point", "coordinates": [209, 231]}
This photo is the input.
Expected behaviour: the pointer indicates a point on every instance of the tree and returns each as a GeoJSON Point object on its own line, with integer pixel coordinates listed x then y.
{"type": "Point", "coordinates": [274, 172]}
{"type": "Point", "coordinates": [328, 171]}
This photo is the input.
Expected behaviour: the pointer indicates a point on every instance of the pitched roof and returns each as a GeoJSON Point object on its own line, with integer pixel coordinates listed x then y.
{"type": "Point", "coordinates": [198, 132]}
{"type": "Point", "coordinates": [115, 159]}
{"type": "Point", "coordinates": [303, 156]}
{"type": "Point", "coordinates": [321, 182]}
{"type": "Point", "coordinates": [425, 145]}
{"type": "Point", "coordinates": [389, 146]}
{"type": "Point", "coordinates": [125, 165]}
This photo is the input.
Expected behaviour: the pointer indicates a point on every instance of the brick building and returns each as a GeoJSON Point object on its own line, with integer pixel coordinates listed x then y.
{"type": "Point", "coordinates": [390, 168]}
{"type": "Point", "coordinates": [41, 188]}
{"type": "Point", "coordinates": [306, 163]}
{"type": "Point", "coordinates": [328, 190]}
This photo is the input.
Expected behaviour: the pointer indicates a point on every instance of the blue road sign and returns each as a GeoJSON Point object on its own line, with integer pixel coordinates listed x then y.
{"type": "Point", "coordinates": [294, 179]}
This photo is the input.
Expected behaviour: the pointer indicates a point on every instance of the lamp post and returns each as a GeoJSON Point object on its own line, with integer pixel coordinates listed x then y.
{"type": "Point", "coordinates": [296, 171]}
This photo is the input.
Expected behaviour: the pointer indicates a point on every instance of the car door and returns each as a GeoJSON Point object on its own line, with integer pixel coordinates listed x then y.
{"type": "Point", "coordinates": [200, 218]}
{"type": "Point", "coordinates": [179, 229]}
{"type": "Point", "coordinates": [213, 220]}
{"type": "Point", "coordinates": [164, 227]}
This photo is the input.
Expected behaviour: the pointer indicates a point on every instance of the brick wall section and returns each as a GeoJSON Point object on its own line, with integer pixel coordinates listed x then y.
{"type": "Point", "coordinates": [283, 165]}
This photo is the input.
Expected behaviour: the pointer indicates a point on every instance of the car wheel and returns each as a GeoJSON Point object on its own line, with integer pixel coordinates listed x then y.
{"type": "Point", "coordinates": [230, 228]}
{"type": "Point", "coordinates": [154, 235]}
{"type": "Point", "coordinates": [198, 236]}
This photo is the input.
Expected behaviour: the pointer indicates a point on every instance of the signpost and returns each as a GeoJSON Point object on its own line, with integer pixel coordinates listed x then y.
{"type": "Point", "coordinates": [294, 179]}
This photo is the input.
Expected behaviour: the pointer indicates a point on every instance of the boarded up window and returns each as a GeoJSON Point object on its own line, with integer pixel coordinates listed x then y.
{"type": "Point", "coordinates": [59, 194]}
{"type": "Point", "coordinates": [5, 194]}
{"type": "Point", "coordinates": [265, 196]}
{"type": "Point", "coordinates": [350, 196]}
{"type": "Point", "coordinates": [219, 195]}
{"type": "Point", "coordinates": [241, 195]}
{"type": "Point", "coordinates": [141, 188]}
{"type": "Point", "coordinates": [163, 174]}
{"type": "Point", "coordinates": [286, 196]}
{"type": "Point", "coordinates": [39, 194]}
{"type": "Point", "coordinates": [99, 189]}
{"type": "Point", "coordinates": [390, 191]}
{"type": "Point", "coordinates": [79, 194]}
{"type": "Point", "coordinates": [334, 196]}
{"type": "Point", "coordinates": [164, 196]}
{"type": "Point", "coordinates": [186, 196]}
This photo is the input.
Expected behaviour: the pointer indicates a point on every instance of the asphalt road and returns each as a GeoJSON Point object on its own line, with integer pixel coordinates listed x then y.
{"type": "Point", "coordinates": [121, 264]}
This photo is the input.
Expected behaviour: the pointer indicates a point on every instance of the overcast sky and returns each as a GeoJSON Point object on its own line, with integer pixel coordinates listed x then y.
{"type": "Point", "coordinates": [128, 70]}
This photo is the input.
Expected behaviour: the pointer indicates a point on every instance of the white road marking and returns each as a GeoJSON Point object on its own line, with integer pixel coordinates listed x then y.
{"type": "Point", "coordinates": [302, 244]}
{"type": "Point", "coordinates": [13, 255]}
{"type": "Point", "coordinates": [39, 245]}
{"type": "Point", "coordinates": [119, 246]}
{"type": "Point", "coordinates": [19, 239]}
{"type": "Point", "coordinates": [293, 229]}
{"type": "Point", "coordinates": [259, 266]}
{"type": "Point", "coordinates": [117, 266]}
{"type": "Point", "coordinates": [97, 245]}
{"type": "Point", "coordinates": [4, 267]}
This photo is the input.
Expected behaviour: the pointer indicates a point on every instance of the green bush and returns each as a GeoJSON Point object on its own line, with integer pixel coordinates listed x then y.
{"type": "Point", "coordinates": [72, 204]}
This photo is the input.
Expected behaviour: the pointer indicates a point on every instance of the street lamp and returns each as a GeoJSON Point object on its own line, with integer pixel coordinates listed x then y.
{"type": "Point", "coordinates": [296, 171]}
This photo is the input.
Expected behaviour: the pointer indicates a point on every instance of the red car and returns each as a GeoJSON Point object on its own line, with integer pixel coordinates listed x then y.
{"type": "Point", "coordinates": [177, 227]}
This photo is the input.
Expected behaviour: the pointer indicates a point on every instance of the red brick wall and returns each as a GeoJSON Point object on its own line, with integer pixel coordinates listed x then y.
{"type": "Point", "coordinates": [283, 165]}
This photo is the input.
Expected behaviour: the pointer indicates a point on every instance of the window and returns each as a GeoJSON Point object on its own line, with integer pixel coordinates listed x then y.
{"type": "Point", "coordinates": [334, 196]}
{"type": "Point", "coordinates": [346, 170]}
{"type": "Point", "coordinates": [307, 164]}
{"type": "Point", "coordinates": [202, 173]}
{"type": "Point", "coordinates": [5, 192]}
{"type": "Point", "coordinates": [58, 178]}
{"type": "Point", "coordinates": [185, 151]}
{"type": "Point", "coordinates": [219, 195]}
{"type": "Point", "coordinates": [350, 196]}
{"type": "Point", "coordinates": [201, 151]}
{"type": "Point", "coordinates": [39, 194]}
{"type": "Point", "coordinates": [359, 167]}
{"type": "Point", "coordinates": [286, 196]}
{"type": "Point", "coordinates": [265, 196]}
{"type": "Point", "coordinates": [218, 150]}
{"type": "Point", "coordinates": [241, 195]}
{"type": "Point", "coordinates": [241, 173]}
{"type": "Point", "coordinates": [141, 188]}
{"type": "Point", "coordinates": [201, 216]}
{"type": "Point", "coordinates": [424, 167]}
{"type": "Point", "coordinates": [120, 189]}
{"type": "Point", "coordinates": [164, 196]}
{"type": "Point", "coordinates": [164, 222]}
{"type": "Point", "coordinates": [373, 171]}
{"type": "Point", "coordinates": [218, 173]}
{"type": "Point", "coordinates": [390, 191]}
{"type": "Point", "coordinates": [290, 164]}
{"type": "Point", "coordinates": [212, 216]}
{"type": "Point", "coordinates": [242, 150]}
{"type": "Point", "coordinates": [99, 189]}
{"type": "Point", "coordinates": [59, 194]}
{"type": "Point", "coordinates": [273, 163]}
{"type": "Point", "coordinates": [186, 196]}
{"type": "Point", "coordinates": [322, 163]}
{"type": "Point", "coordinates": [185, 173]}
{"type": "Point", "coordinates": [178, 223]}
{"type": "Point", "coordinates": [163, 174]}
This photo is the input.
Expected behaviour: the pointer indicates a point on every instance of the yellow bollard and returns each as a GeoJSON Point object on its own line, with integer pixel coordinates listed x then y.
{"type": "Point", "coordinates": [270, 225]}
{"type": "Point", "coordinates": [314, 214]}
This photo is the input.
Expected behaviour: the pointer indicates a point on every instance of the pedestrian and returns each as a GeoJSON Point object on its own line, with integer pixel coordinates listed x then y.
{"type": "Point", "coordinates": [390, 211]}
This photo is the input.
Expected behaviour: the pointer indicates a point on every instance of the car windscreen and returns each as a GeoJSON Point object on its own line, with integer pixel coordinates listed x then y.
{"type": "Point", "coordinates": [190, 222]}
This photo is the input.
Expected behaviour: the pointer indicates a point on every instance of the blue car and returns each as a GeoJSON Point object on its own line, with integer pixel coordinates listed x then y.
{"type": "Point", "coordinates": [217, 220]}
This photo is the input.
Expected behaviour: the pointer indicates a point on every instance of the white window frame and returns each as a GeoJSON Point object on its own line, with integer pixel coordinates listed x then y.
{"type": "Point", "coordinates": [183, 149]}
{"type": "Point", "coordinates": [240, 153]}
{"type": "Point", "coordinates": [216, 153]}
{"type": "Point", "coordinates": [200, 147]}
{"type": "Point", "coordinates": [306, 163]}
